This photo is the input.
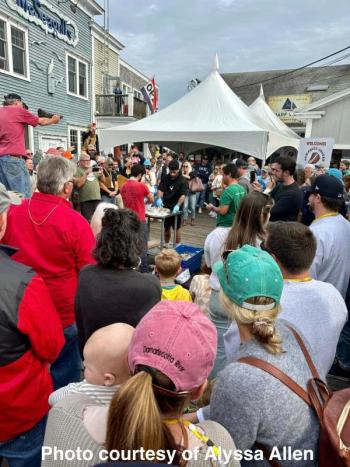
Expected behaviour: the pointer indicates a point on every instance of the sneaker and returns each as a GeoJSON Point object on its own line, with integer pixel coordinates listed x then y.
{"type": "Point", "coordinates": [200, 211]}
{"type": "Point", "coordinates": [337, 372]}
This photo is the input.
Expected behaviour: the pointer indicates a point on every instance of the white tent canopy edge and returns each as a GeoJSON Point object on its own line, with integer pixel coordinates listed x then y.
{"type": "Point", "coordinates": [211, 114]}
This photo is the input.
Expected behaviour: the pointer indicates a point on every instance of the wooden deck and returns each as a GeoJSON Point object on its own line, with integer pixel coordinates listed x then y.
{"type": "Point", "coordinates": [190, 235]}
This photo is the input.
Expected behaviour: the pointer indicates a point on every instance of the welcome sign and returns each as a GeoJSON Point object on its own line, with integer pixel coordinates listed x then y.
{"type": "Point", "coordinates": [315, 151]}
{"type": "Point", "coordinates": [49, 18]}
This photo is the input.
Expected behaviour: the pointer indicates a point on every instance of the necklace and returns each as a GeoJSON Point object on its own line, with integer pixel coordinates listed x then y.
{"type": "Point", "coordinates": [40, 223]}
{"type": "Point", "coordinates": [196, 431]}
{"type": "Point", "coordinates": [328, 214]}
{"type": "Point", "coordinates": [301, 279]}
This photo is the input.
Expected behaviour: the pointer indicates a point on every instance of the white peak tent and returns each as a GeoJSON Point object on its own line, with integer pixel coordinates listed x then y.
{"type": "Point", "coordinates": [210, 115]}
{"type": "Point", "coordinates": [279, 134]}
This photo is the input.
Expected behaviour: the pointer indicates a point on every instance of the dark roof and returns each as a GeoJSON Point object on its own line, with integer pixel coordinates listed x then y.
{"type": "Point", "coordinates": [336, 77]}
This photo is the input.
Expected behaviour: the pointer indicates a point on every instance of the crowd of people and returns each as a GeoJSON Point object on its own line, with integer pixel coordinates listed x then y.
{"type": "Point", "coordinates": [98, 357]}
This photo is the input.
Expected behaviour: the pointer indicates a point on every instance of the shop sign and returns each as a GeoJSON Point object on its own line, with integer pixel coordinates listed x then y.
{"type": "Point", "coordinates": [48, 17]}
{"type": "Point", "coordinates": [285, 106]}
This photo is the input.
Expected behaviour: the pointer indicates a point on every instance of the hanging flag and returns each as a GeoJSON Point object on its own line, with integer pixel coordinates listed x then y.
{"type": "Point", "coordinates": [149, 93]}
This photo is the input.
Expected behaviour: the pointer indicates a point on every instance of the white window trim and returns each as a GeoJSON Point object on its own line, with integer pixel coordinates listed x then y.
{"type": "Point", "coordinates": [86, 63]}
{"type": "Point", "coordinates": [31, 137]}
{"type": "Point", "coordinates": [130, 88]}
{"type": "Point", "coordinates": [79, 129]}
{"type": "Point", "coordinates": [10, 72]}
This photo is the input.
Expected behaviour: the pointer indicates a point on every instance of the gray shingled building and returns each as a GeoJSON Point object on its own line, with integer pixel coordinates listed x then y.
{"type": "Point", "coordinates": [321, 96]}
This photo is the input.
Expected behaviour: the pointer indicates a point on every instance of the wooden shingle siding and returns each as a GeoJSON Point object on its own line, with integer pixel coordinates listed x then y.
{"type": "Point", "coordinates": [113, 66]}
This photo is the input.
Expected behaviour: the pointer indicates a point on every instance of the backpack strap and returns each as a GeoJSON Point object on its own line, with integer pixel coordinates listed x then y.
{"type": "Point", "coordinates": [278, 374]}
{"type": "Point", "coordinates": [307, 356]}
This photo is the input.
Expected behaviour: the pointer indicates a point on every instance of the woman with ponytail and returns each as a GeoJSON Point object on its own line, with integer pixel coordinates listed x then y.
{"type": "Point", "coordinates": [170, 357]}
{"type": "Point", "coordinates": [251, 404]}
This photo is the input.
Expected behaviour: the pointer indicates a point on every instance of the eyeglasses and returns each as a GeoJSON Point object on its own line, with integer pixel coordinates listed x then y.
{"type": "Point", "coordinates": [224, 257]}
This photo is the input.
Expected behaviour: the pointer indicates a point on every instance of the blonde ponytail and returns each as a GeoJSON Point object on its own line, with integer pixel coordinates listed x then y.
{"type": "Point", "coordinates": [262, 322]}
{"type": "Point", "coordinates": [135, 419]}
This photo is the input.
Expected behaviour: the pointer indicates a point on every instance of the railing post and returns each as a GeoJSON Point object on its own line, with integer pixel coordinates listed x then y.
{"type": "Point", "coordinates": [130, 104]}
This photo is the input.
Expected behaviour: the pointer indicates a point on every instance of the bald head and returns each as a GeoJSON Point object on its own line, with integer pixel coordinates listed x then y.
{"type": "Point", "coordinates": [105, 355]}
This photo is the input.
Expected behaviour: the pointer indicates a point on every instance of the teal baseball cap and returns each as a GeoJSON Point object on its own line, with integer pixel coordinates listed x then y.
{"type": "Point", "coordinates": [250, 272]}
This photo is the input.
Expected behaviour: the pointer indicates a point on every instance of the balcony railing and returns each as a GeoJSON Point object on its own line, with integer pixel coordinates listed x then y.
{"type": "Point", "coordinates": [111, 105]}
{"type": "Point", "coordinates": [139, 108]}
{"type": "Point", "coordinates": [124, 105]}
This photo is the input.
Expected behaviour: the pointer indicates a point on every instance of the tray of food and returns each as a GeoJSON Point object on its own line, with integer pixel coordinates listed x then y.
{"type": "Point", "coordinates": [157, 212]}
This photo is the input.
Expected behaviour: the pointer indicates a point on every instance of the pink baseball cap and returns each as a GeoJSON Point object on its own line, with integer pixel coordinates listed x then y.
{"type": "Point", "coordinates": [177, 339]}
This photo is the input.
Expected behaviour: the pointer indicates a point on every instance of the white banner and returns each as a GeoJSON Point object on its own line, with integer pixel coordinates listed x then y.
{"type": "Point", "coordinates": [315, 151]}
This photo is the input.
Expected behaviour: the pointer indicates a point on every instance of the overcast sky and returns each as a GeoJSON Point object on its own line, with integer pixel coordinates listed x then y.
{"type": "Point", "coordinates": [176, 40]}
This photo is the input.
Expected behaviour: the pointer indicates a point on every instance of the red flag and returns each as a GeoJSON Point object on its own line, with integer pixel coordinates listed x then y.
{"type": "Point", "coordinates": [155, 95]}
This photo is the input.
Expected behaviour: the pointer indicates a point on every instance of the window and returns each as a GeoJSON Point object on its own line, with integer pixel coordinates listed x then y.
{"type": "Point", "coordinates": [76, 138]}
{"type": "Point", "coordinates": [138, 94]}
{"type": "Point", "coordinates": [77, 77]}
{"type": "Point", "coordinates": [72, 76]}
{"type": "Point", "coordinates": [126, 89]}
{"type": "Point", "coordinates": [82, 79]}
{"type": "Point", "coordinates": [3, 47]}
{"type": "Point", "coordinates": [18, 51]}
{"type": "Point", "coordinates": [13, 49]}
{"type": "Point", "coordinates": [73, 138]}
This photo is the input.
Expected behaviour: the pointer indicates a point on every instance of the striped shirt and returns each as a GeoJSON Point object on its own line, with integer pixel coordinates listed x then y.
{"type": "Point", "coordinates": [100, 394]}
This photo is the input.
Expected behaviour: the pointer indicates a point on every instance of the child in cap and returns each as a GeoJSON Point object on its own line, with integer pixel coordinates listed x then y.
{"type": "Point", "coordinates": [168, 266]}
{"type": "Point", "coordinates": [170, 357]}
{"type": "Point", "coordinates": [249, 402]}
{"type": "Point", "coordinates": [105, 362]}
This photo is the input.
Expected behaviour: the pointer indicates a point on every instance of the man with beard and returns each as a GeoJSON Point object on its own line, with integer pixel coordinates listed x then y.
{"type": "Point", "coordinates": [286, 193]}
{"type": "Point", "coordinates": [171, 194]}
{"type": "Point", "coordinates": [332, 260]}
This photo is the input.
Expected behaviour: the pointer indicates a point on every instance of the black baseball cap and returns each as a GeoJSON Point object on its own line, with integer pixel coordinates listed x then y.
{"type": "Point", "coordinates": [241, 163]}
{"type": "Point", "coordinates": [174, 165]}
{"type": "Point", "coordinates": [328, 186]}
{"type": "Point", "coordinates": [12, 95]}
{"type": "Point", "coordinates": [17, 97]}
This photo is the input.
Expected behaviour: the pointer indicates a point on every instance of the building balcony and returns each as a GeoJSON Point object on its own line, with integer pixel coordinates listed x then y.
{"type": "Point", "coordinates": [123, 105]}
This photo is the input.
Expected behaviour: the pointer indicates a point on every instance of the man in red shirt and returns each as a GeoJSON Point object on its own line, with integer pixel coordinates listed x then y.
{"type": "Point", "coordinates": [14, 116]}
{"type": "Point", "coordinates": [31, 338]}
{"type": "Point", "coordinates": [56, 242]}
{"type": "Point", "coordinates": [134, 193]}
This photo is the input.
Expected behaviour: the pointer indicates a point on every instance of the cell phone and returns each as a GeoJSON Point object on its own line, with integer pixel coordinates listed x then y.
{"type": "Point", "coordinates": [205, 204]}
{"type": "Point", "coordinates": [96, 168]}
{"type": "Point", "coordinates": [252, 176]}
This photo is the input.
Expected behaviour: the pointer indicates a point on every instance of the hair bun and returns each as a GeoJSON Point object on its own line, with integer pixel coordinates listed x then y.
{"type": "Point", "coordinates": [264, 328]}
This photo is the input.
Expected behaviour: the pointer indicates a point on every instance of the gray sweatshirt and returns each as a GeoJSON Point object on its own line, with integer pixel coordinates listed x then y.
{"type": "Point", "coordinates": [254, 406]}
{"type": "Point", "coordinates": [332, 261]}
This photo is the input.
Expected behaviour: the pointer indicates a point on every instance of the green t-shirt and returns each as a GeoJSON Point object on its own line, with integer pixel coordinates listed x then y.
{"type": "Point", "coordinates": [232, 197]}
{"type": "Point", "coordinates": [90, 191]}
